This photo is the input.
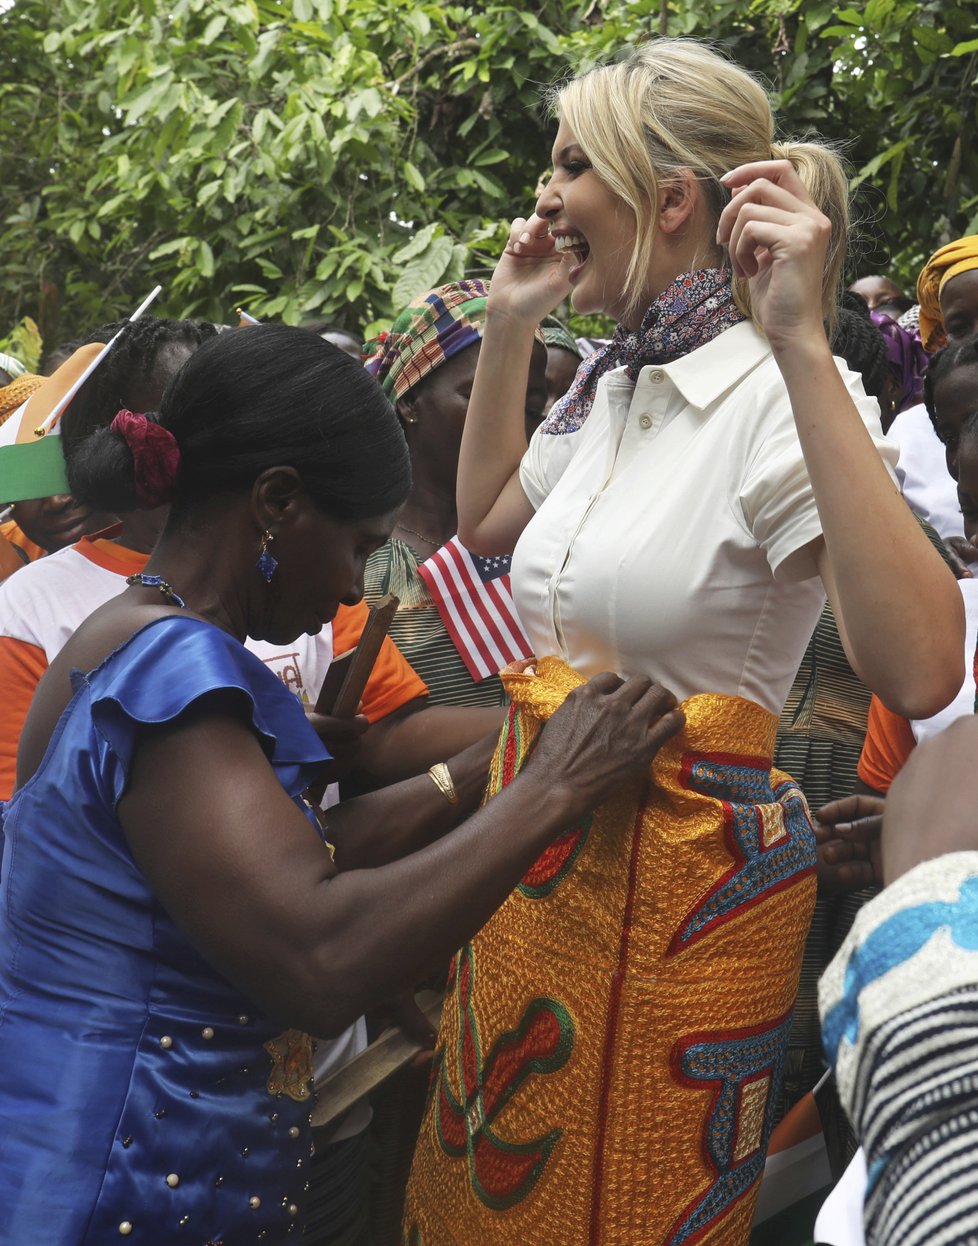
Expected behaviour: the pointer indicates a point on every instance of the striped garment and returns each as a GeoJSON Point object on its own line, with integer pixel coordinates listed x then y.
{"type": "Point", "coordinates": [900, 1021]}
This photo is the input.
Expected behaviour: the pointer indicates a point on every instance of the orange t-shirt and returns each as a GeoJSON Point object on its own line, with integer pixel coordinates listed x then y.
{"type": "Point", "coordinates": [12, 558]}
{"type": "Point", "coordinates": [393, 681]}
{"type": "Point", "coordinates": [44, 603]}
{"type": "Point", "coordinates": [12, 532]}
{"type": "Point", "coordinates": [889, 742]}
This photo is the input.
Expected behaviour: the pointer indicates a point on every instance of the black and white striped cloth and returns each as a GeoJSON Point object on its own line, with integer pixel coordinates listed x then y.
{"type": "Point", "coordinates": [900, 1020]}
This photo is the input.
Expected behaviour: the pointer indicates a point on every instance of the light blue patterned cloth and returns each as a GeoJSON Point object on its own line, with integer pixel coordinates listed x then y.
{"type": "Point", "coordinates": [899, 1007]}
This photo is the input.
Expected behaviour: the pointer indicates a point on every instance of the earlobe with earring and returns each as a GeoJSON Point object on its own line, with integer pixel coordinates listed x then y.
{"type": "Point", "coordinates": [267, 564]}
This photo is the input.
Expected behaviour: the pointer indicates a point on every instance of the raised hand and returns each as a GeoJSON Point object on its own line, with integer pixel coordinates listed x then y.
{"type": "Point", "coordinates": [777, 239]}
{"type": "Point", "coordinates": [530, 279]}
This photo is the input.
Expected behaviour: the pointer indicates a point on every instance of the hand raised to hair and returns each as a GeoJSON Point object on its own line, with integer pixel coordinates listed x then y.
{"type": "Point", "coordinates": [605, 735]}
{"type": "Point", "coordinates": [777, 239]}
{"type": "Point", "coordinates": [530, 279]}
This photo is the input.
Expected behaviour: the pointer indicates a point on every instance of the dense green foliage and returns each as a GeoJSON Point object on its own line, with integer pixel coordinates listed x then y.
{"type": "Point", "coordinates": [333, 157]}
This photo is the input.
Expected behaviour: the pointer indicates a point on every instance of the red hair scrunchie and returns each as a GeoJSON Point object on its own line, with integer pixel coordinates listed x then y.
{"type": "Point", "coordinates": [155, 457]}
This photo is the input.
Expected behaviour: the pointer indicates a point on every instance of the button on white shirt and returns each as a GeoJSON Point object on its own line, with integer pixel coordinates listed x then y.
{"type": "Point", "coordinates": [673, 531]}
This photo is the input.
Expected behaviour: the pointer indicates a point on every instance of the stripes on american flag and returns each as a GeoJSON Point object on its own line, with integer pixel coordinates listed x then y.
{"type": "Point", "coordinates": [476, 605]}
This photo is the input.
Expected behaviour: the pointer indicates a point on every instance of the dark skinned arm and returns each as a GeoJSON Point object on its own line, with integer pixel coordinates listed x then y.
{"type": "Point", "coordinates": [931, 806]}
{"type": "Point", "coordinates": [375, 829]}
{"type": "Point", "coordinates": [239, 868]}
{"type": "Point", "coordinates": [415, 736]}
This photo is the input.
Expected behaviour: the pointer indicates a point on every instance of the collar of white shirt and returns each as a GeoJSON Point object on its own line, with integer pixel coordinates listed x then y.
{"type": "Point", "coordinates": [709, 371]}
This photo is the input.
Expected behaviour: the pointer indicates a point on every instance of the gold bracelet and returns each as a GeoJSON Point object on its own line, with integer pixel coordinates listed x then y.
{"type": "Point", "coordinates": [441, 776]}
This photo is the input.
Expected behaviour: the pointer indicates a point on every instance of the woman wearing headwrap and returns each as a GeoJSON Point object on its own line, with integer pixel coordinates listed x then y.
{"type": "Point", "coordinates": [947, 291]}
{"type": "Point", "coordinates": [907, 363]}
{"type": "Point", "coordinates": [426, 366]}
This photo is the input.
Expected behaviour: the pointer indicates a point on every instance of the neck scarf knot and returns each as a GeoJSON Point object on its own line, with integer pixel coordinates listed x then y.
{"type": "Point", "coordinates": [695, 309]}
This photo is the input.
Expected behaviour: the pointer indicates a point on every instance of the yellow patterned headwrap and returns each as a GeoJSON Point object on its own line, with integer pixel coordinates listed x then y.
{"type": "Point", "coordinates": [957, 257]}
{"type": "Point", "coordinates": [17, 392]}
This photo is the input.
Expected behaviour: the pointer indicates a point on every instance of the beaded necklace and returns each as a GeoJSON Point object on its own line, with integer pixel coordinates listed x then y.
{"type": "Point", "coordinates": [157, 581]}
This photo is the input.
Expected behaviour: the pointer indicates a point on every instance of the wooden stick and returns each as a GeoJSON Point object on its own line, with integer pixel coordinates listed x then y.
{"type": "Point", "coordinates": [387, 1054]}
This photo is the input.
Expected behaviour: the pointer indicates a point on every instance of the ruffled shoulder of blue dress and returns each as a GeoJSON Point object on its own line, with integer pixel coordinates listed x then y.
{"type": "Point", "coordinates": [173, 662]}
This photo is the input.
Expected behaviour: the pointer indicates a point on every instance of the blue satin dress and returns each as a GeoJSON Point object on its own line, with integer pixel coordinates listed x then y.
{"type": "Point", "coordinates": [143, 1098]}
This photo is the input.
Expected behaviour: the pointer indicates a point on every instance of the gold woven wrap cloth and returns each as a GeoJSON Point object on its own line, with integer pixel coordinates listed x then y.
{"type": "Point", "coordinates": [611, 1039]}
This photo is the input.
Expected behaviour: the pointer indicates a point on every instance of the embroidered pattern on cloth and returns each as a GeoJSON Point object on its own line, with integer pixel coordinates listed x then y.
{"type": "Point", "coordinates": [768, 852]}
{"type": "Point", "coordinates": [502, 1173]}
{"type": "Point", "coordinates": [695, 309]}
{"type": "Point", "coordinates": [291, 1053]}
{"type": "Point", "coordinates": [741, 1066]}
{"type": "Point", "coordinates": [656, 1120]}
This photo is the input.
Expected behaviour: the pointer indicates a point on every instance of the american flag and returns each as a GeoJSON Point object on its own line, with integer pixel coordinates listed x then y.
{"type": "Point", "coordinates": [476, 605]}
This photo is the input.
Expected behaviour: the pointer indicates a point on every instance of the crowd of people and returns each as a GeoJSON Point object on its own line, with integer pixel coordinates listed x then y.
{"type": "Point", "coordinates": [662, 756]}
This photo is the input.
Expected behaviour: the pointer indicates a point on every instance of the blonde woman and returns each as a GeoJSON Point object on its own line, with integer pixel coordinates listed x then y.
{"type": "Point", "coordinates": [682, 513]}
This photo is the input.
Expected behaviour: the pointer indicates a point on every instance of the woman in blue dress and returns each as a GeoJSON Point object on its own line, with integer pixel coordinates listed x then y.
{"type": "Point", "coordinates": [172, 923]}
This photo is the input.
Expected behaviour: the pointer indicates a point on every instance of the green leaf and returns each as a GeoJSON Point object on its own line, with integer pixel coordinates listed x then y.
{"type": "Point", "coordinates": [963, 49]}
{"type": "Point", "coordinates": [214, 29]}
{"type": "Point", "coordinates": [493, 156]}
{"type": "Point", "coordinates": [419, 243]}
{"type": "Point", "coordinates": [424, 272]}
{"type": "Point", "coordinates": [167, 248]}
{"type": "Point", "coordinates": [412, 176]}
{"type": "Point", "coordinates": [205, 258]}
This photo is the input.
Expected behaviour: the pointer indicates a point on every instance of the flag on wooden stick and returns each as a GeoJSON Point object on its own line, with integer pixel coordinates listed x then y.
{"type": "Point", "coordinates": [31, 462]}
{"type": "Point", "coordinates": [476, 605]}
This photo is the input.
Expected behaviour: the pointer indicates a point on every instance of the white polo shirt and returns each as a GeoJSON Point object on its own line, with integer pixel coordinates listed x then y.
{"type": "Point", "coordinates": [673, 529]}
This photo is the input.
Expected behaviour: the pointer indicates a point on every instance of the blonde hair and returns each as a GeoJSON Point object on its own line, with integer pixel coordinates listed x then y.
{"type": "Point", "coordinates": [673, 105]}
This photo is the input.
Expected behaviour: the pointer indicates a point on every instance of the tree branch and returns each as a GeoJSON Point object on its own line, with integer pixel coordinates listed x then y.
{"type": "Point", "coordinates": [450, 49]}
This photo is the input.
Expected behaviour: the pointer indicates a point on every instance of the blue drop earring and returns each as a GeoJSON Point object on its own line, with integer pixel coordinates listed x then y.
{"type": "Point", "coordinates": [267, 564]}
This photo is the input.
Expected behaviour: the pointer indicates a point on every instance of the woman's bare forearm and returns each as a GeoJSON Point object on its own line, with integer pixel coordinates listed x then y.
{"type": "Point", "coordinates": [899, 609]}
{"type": "Point", "coordinates": [492, 508]}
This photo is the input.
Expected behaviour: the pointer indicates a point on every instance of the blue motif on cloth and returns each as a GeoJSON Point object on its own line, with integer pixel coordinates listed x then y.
{"type": "Point", "coordinates": [894, 941]}
{"type": "Point", "coordinates": [745, 1067]}
{"type": "Point", "coordinates": [767, 832]}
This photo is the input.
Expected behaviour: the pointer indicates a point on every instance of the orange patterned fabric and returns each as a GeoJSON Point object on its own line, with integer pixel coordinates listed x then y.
{"type": "Point", "coordinates": [612, 1038]}
{"type": "Point", "coordinates": [17, 392]}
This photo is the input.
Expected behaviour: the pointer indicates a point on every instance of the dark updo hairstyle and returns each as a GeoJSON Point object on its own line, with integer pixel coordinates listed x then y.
{"type": "Point", "coordinates": [260, 397]}
{"type": "Point", "coordinates": [961, 355]}
{"type": "Point", "coordinates": [131, 361]}
{"type": "Point", "coordinates": [861, 343]}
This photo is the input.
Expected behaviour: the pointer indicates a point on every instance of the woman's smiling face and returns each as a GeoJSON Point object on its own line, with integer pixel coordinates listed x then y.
{"type": "Point", "coordinates": [593, 224]}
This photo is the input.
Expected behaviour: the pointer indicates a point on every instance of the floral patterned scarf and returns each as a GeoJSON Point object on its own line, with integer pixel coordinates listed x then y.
{"type": "Point", "coordinates": [695, 309]}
